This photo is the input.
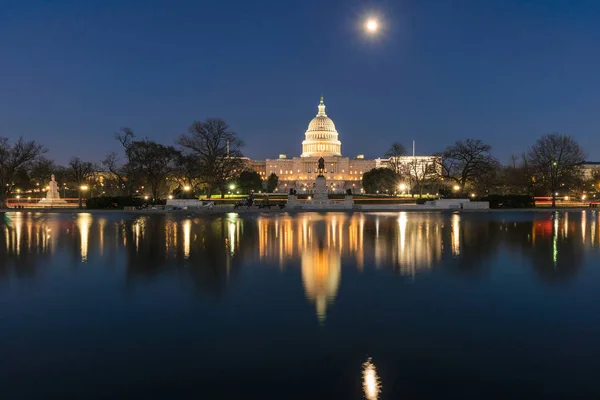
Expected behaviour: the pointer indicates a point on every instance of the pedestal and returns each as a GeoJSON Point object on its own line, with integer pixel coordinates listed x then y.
{"type": "Point", "coordinates": [320, 189]}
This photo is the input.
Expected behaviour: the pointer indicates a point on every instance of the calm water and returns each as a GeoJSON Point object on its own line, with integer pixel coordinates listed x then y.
{"type": "Point", "coordinates": [280, 306]}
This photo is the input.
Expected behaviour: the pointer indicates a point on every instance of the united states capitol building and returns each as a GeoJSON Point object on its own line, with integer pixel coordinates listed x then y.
{"type": "Point", "coordinates": [342, 173]}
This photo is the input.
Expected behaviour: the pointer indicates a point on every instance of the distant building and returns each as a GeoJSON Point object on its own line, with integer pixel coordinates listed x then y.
{"type": "Point", "coordinates": [590, 169]}
{"type": "Point", "coordinates": [342, 173]}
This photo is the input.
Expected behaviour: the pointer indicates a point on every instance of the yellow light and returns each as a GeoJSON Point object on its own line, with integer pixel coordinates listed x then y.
{"type": "Point", "coordinates": [170, 197]}
{"type": "Point", "coordinates": [84, 187]}
{"type": "Point", "coordinates": [402, 187]}
{"type": "Point", "coordinates": [456, 188]}
{"type": "Point", "coordinates": [231, 187]}
{"type": "Point", "coordinates": [472, 194]}
{"type": "Point", "coordinates": [372, 25]}
{"type": "Point", "coordinates": [187, 188]}
{"type": "Point", "coordinates": [371, 383]}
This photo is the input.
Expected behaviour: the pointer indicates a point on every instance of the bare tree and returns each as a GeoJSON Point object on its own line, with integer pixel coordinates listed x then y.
{"type": "Point", "coordinates": [420, 172]}
{"type": "Point", "coordinates": [516, 178]}
{"type": "Point", "coordinates": [464, 162]}
{"type": "Point", "coordinates": [556, 160]}
{"type": "Point", "coordinates": [154, 162]}
{"type": "Point", "coordinates": [80, 172]}
{"type": "Point", "coordinates": [187, 171]}
{"type": "Point", "coordinates": [13, 159]}
{"type": "Point", "coordinates": [394, 153]}
{"type": "Point", "coordinates": [217, 150]}
{"type": "Point", "coordinates": [127, 178]}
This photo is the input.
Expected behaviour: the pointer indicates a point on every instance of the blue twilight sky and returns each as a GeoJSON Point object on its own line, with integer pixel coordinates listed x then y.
{"type": "Point", "coordinates": [505, 71]}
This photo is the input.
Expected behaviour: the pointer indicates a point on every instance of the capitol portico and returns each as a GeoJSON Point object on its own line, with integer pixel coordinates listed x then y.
{"type": "Point", "coordinates": [321, 139]}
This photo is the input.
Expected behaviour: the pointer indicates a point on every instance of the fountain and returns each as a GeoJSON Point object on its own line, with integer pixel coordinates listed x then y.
{"type": "Point", "coordinates": [52, 197]}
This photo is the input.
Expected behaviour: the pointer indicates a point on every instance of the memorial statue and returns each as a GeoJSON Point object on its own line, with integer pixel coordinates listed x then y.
{"type": "Point", "coordinates": [53, 196]}
{"type": "Point", "coordinates": [321, 166]}
{"type": "Point", "coordinates": [52, 189]}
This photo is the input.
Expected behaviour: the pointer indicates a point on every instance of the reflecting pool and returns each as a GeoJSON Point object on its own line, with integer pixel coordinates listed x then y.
{"type": "Point", "coordinates": [300, 306]}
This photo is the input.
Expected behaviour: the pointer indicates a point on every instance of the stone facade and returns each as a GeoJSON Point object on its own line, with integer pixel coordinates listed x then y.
{"type": "Point", "coordinates": [341, 173]}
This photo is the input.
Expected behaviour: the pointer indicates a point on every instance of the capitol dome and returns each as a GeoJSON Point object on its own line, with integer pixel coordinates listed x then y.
{"type": "Point", "coordinates": [321, 138]}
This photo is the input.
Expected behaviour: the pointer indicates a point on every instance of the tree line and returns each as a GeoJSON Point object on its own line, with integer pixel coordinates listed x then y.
{"type": "Point", "coordinates": [208, 159]}
{"type": "Point", "coordinates": [552, 166]}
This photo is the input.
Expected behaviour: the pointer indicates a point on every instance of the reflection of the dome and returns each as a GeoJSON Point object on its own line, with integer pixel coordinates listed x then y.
{"type": "Point", "coordinates": [320, 243]}
{"type": "Point", "coordinates": [321, 269]}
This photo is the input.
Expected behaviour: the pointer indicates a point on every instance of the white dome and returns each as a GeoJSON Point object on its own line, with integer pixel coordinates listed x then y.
{"type": "Point", "coordinates": [321, 136]}
{"type": "Point", "coordinates": [321, 123]}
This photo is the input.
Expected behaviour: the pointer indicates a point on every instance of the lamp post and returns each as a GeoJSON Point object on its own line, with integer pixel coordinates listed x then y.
{"type": "Point", "coordinates": [82, 188]}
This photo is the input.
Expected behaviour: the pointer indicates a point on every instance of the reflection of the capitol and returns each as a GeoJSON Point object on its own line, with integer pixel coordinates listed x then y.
{"type": "Point", "coordinates": [321, 244]}
{"type": "Point", "coordinates": [409, 243]}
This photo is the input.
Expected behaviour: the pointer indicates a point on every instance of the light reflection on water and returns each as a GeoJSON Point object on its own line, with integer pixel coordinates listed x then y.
{"type": "Point", "coordinates": [340, 264]}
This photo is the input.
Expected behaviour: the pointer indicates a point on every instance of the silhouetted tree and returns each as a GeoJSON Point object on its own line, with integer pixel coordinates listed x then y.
{"type": "Point", "coordinates": [466, 161]}
{"type": "Point", "coordinates": [217, 150]}
{"type": "Point", "coordinates": [272, 182]}
{"type": "Point", "coordinates": [249, 181]}
{"type": "Point", "coordinates": [153, 162]}
{"type": "Point", "coordinates": [394, 153]}
{"type": "Point", "coordinates": [16, 157]}
{"type": "Point", "coordinates": [556, 160]}
{"type": "Point", "coordinates": [380, 180]}
{"type": "Point", "coordinates": [126, 176]}
{"type": "Point", "coordinates": [80, 172]}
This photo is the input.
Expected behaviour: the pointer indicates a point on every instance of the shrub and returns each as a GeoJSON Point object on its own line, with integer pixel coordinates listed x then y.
{"type": "Point", "coordinates": [510, 201]}
{"type": "Point", "coordinates": [117, 202]}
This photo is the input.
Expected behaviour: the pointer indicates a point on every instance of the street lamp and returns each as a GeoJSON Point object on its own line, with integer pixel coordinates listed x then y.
{"type": "Point", "coordinates": [456, 188]}
{"type": "Point", "coordinates": [187, 188]}
{"type": "Point", "coordinates": [231, 187]}
{"type": "Point", "coordinates": [82, 188]}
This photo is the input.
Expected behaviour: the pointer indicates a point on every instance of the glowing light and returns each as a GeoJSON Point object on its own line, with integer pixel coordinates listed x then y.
{"type": "Point", "coordinates": [83, 187]}
{"type": "Point", "coordinates": [455, 235]}
{"type": "Point", "coordinates": [472, 194]}
{"type": "Point", "coordinates": [402, 221]}
{"type": "Point", "coordinates": [170, 197]}
{"type": "Point", "coordinates": [372, 25]}
{"type": "Point", "coordinates": [145, 197]}
{"type": "Point", "coordinates": [187, 234]}
{"type": "Point", "coordinates": [84, 222]}
{"type": "Point", "coordinates": [402, 187]}
{"type": "Point", "coordinates": [555, 239]}
{"type": "Point", "coordinates": [187, 188]}
{"type": "Point", "coordinates": [371, 384]}
{"type": "Point", "coordinates": [231, 187]}
{"type": "Point", "coordinates": [456, 188]}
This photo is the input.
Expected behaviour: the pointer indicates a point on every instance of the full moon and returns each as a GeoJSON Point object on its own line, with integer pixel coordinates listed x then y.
{"type": "Point", "coordinates": [372, 25]}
